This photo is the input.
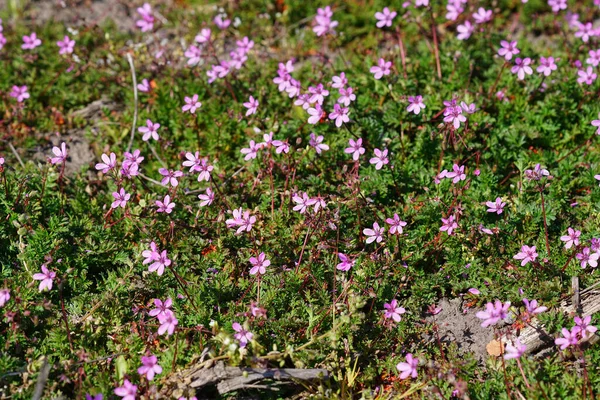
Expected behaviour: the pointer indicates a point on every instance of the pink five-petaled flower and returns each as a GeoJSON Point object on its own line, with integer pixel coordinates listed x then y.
{"type": "Point", "coordinates": [168, 322]}
{"type": "Point", "coordinates": [570, 338]}
{"type": "Point", "coordinates": [316, 142]}
{"type": "Point", "coordinates": [448, 225]}
{"type": "Point", "coordinates": [547, 65]}
{"type": "Point", "coordinates": [495, 207]}
{"type": "Point", "coordinates": [339, 82]}
{"type": "Point", "coordinates": [494, 313]}
{"type": "Point", "coordinates": [482, 15]}
{"type": "Point", "coordinates": [121, 199]}
{"type": "Point", "coordinates": [31, 42]}
{"type": "Point", "coordinates": [149, 367]}
{"type": "Point", "coordinates": [465, 30]}
{"type": "Point", "coordinates": [323, 22]}
{"type": "Point", "coordinates": [585, 31]}
{"type": "Point", "coordinates": [108, 163]}
{"type": "Point", "coordinates": [571, 238]}
{"type": "Point", "coordinates": [251, 105]}
{"type": "Point", "coordinates": [514, 351]}
{"type": "Point", "coordinates": [281, 146]}
{"type": "Point", "coordinates": [594, 58]}
{"type": "Point", "coordinates": [162, 308]}
{"type": "Point", "coordinates": [241, 219]}
{"type": "Point", "coordinates": [508, 50]}
{"type": "Point", "coordinates": [19, 92]}
{"type": "Point", "coordinates": [380, 158]}
{"type": "Point", "coordinates": [396, 225]}
{"type": "Point", "coordinates": [375, 234]}
{"type": "Point", "coordinates": [207, 198]}
{"type": "Point", "coordinates": [259, 264]}
{"type": "Point", "coordinates": [588, 76]}
{"type": "Point", "coordinates": [522, 67]}
{"type": "Point", "coordinates": [160, 263]}
{"type": "Point", "coordinates": [144, 86]}
{"type": "Point", "coordinates": [315, 113]}
{"type": "Point", "coordinates": [252, 151]}
{"type": "Point", "coordinates": [191, 104]}
{"type": "Point", "coordinates": [454, 115]}
{"type": "Point", "coordinates": [242, 335]}
{"type": "Point", "coordinates": [393, 311]}
{"type": "Point", "coordinates": [408, 368]}
{"type": "Point", "coordinates": [385, 17]}
{"type": "Point", "coordinates": [557, 5]}
{"type": "Point", "coordinates": [532, 307]}
{"type": "Point", "coordinates": [170, 177]}
{"type": "Point", "coordinates": [66, 45]}
{"type": "Point", "coordinates": [339, 114]}
{"type": "Point", "coordinates": [149, 131]}
{"type": "Point", "coordinates": [585, 329]}
{"type": "Point", "coordinates": [355, 148]}
{"type": "Point", "coordinates": [457, 174]}
{"type": "Point", "coordinates": [302, 202]}
{"type": "Point", "coordinates": [165, 206]}
{"type": "Point", "coordinates": [147, 22]}
{"type": "Point", "coordinates": [346, 96]}
{"type": "Point", "coordinates": [585, 257]}
{"type": "Point", "coordinates": [4, 296]}
{"type": "Point", "coordinates": [526, 255]}
{"type": "Point", "coordinates": [536, 173]}
{"type": "Point", "coordinates": [46, 278]}
{"type": "Point", "coordinates": [127, 391]}
{"type": "Point", "coordinates": [415, 104]}
{"type": "Point", "coordinates": [382, 68]}
{"type": "Point", "coordinates": [346, 263]}
{"type": "Point", "coordinates": [60, 154]}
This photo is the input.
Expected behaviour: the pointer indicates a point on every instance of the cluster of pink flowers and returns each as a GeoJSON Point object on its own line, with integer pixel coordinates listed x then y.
{"type": "Point", "coordinates": [466, 29]}
{"type": "Point", "coordinates": [494, 313]}
{"type": "Point", "coordinates": [376, 233]}
{"type": "Point", "coordinates": [303, 202]}
{"type": "Point", "coordinates": [242, 220]}
{"type": "Point", "coordinates": [237, 59]}
{"type": "Point", "coordinates": [454, 112]}
{"type": "Point", "coordinates": [323, 24]}
{"type": "Point", "coordinates": [198, 164]}
{"type": "Point", "coordinates": [581, 331]}
{"type": "Point", "coordinates": [157, 259]}
{"type": "Point", "coordinates": [166, 317]}
{"type": "Point", "coordinates": [457, 174]}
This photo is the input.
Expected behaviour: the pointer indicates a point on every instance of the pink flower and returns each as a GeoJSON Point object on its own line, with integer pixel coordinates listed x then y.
{"type": "Point", "coordinates": [408, 368]}
{"type": "Point", "coordinates": [207, 198]}
{"type": "Point", "coordinates": [339, 82]}
{"type": "Point", "coordinates": [151, 255]}
{"type": "Point", "coordinates": [547, 65]}
{"type": "Point", "coordinates": [454, 115]}
{"type": "Point", "coordinates": [570, 338]}
{"type": "Point", "coordinates": [251, 105]}
{"type": "Point", "coordinates": [191, 104]}
{"type": "Point", "coordinates": [346, 96]}
{"type": "Point", "coordinates": [532, 307]}
{"type": "Point", "coordinates": [457, 174]}
{"type": "Point", "coordinates": [220, 22]}
{"type": "Point", "coordinates": [382, 68]}
{"type": "Point", "coordinates": [526, 255]}
{"type": "Point", "coordinates": [392, 311]}
{"type": "Point", "coordinates": [147, 22]}
{"type": "Point", "coordinates": [259, 264]}
{"type": "Point", "coordinates": [346, 263]}
{"type": "Point", "coordinates": [597, 177]}
{"type": "Point", "coordinates": [588, 258]}
{"type": "Point", "coordinates": [465, 30]}
{"type": "Point", "coordinates": [495, 207]}
{"type": "Point", "coordinates": [522, 67]}
{"type": "Point", "coordinates": [318, 94]}
{"type": "Point", "coordinates": [121, 198]}
{"type": "Point", "coordinates": [242, 335]}
{"type": "Point", "coordinates": [375, 234]}
{"type": "Point", "coordinates": [585, 31]}
{"type": "Point", "coordinates": [193, 54]}
{"type": "Point", "coordinates": [108, 163]}
{"type": "Point", "coordinates": [302, 202]}
{"type": "Point", "coordinates": [355, 148]}
{"type": "Point", "coordinates": [448, 225]}
{"type": "Point", "coordinates": [203, 36]}
{"type": "Point", "coordinates": [571, 238]}
{"type": "Point", "coordinates": [281, 146]}
{"type": "Point", "coordinates": [66, 45]}
{"type": "Point", "coordinates": [31, 42]}
{"type": "Point", "coordinates": [198, 164]}
{"type": "Point", "coordinates": [494, 313]}
{"type": "Point", "coordinates": [170, 177]}
{"type": "Point", "coordinates": [127, 391]}
{"type": "Point", "coordinates": [60, 154]}
{"type": "Point", "coordinates": [594, 59]}
{"type": "Point", "coordinates": [385, 17]}
{"type": "Point", "coordinates": [149, 367]}
{"type": "Point", "coordinates": [380, 158]}
{"type": "Point", "coordinates": [160, 261]}
{"type": "Point", "coordinates": [4, 296]}
{"type": "Point", "coordinates": [162, 308]}
{"type": "Point", "coordinates": [588, 76]}
{"type": "Point", "coordinates": [415, 104]}
{"type": "Point", "coordinates": [252, 151]}
{"type": "Point", "coordinates": [144, 86]}
{"type": "Point", "coordinates": [20, 93]}
{"type": "Point", "coordinates": [241, 219]}
{"type": "Point", "coordinates": [168, 322]}
{"type": "Point", "coordinates": [515, 351]}
{"type": "Point", "coordinates": [536, 173]}
{"type": "Point", "coordinates": [165, 206]}
{"type": "Point", "coordinates": [557, 5]}
{"type": "Point", "coordinates": [585, 329]}
{"type": "Point", "coordinates": [454, 10]}
{"type": "Point", "coordinates": [339, 114]}
{"type": "Point", "coordinates": [323, 22]}
{"type": "Point", "coordinates": [396, 225]}
{"type": "Point", "coordinates": [46, 278]}
{"type": "Point", "coordinates": [316, 142]}
{"type": "Point", "coordinates": [149, 131]}
{"type": "Point", "coordinates": [482, 15]}
{"type": "Point", "coordinates": [508, 50]}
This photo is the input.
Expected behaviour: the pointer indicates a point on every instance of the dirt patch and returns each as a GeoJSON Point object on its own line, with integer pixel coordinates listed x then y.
{"type": "Point", "coordinates": [462, 329]}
